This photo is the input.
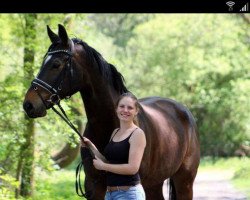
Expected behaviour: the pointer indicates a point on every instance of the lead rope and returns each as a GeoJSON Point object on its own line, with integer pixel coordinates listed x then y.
{"type": "Point", "coordinates": [78, 181]}
{"type": "Point", "coordinates": [78, 186]}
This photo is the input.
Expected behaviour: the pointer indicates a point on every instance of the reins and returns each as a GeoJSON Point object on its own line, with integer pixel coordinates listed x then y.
{"type": "Point", "coordinates": [65, 118]}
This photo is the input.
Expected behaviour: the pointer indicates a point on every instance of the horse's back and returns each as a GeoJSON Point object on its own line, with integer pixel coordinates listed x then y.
{"type": "Point", "coordinates": [169, 109]}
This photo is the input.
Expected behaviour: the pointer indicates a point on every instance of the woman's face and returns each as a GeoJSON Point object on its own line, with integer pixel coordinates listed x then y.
{"type": "Point", "coordinates": [126, 109]}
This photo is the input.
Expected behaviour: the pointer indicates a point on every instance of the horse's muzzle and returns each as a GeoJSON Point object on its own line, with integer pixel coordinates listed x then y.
{"type": "Point", "coordinates": [33, 112]}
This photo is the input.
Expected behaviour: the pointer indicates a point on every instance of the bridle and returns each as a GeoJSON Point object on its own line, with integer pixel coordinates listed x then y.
{"type": "Point", "coordinates": [55, 99]}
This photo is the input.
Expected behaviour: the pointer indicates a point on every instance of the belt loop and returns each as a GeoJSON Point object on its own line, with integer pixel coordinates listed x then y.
{"type": "Point", "coordinates": [118, 188]}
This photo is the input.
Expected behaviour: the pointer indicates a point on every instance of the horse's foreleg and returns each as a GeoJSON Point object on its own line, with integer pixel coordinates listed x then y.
{"type": "Point", "coordinates": [94, 184]}
{"type": "Point", "coordinates": [94, 190]}
{"type": "Point", "coordinates": [154, 192]}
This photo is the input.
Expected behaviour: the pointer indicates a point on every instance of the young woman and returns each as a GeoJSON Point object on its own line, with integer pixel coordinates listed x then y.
{"type": "Point", "coordinates": [123, 154]}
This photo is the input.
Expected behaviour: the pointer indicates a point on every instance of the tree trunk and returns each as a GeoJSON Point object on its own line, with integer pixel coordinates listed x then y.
{"type": "Point", "coordinates": [25, 168]}
{"type": "Point", "coordinates": [66, 155]}
{"type": "Point", "coordinates": [27, 174]}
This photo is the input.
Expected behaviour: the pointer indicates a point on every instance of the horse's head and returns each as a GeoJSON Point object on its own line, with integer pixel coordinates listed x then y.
{"type": "Point", "coordinates": [59, 76]}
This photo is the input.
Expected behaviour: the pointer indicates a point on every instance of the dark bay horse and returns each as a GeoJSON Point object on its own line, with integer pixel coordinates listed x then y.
{"type": "Point", "coordinates": [172, 150]}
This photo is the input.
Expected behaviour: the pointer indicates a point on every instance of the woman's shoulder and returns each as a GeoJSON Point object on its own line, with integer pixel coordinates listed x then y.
{"type": "Point", "coordinates": [114, 132]}
{"type": "Point", "coordinates": [138, 132]}
{"type": "Point", "coordinates": [137, 137]}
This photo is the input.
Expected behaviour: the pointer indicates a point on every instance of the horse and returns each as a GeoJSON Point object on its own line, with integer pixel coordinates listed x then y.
{"type": "Point", "coordinates": [172, 151]}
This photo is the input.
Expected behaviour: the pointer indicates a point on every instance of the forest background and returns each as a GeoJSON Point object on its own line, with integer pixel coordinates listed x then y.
{"type": "Point", "coordinates": [200, 60]}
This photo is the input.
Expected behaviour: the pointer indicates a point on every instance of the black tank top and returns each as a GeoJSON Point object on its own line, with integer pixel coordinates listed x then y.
{"type": "Point", "coordinates": [118, 153]}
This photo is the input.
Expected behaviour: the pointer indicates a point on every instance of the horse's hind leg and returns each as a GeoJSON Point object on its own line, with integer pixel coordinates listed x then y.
{"type": "Point", "coordinates": [183, 180]}
{"type": "Point", "coordinates": [154, 192]}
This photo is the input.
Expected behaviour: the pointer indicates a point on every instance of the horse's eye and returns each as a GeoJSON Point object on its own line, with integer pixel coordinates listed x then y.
{"type": "Point", "coordinates": [56, 65]}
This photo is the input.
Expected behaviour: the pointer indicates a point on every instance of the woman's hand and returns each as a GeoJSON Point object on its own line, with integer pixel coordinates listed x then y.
{"type": "Point", "coordinates": [85, 142]}
{"type": "Point", "coordinates": [88, 144]}
{"type": "Point", "coordinates": [98, 163]}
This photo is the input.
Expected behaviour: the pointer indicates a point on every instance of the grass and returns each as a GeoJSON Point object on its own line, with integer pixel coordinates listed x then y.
{"type": "Point", "coordinates": [237, 168]}
{"type": "Point", "coordinates": [58, 185]}
{"type": "Point", "coordinates": [241, 177]}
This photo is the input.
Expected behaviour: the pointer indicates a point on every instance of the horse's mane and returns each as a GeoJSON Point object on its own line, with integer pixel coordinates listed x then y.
{"type": "Point", "coordinates": [107, 70]}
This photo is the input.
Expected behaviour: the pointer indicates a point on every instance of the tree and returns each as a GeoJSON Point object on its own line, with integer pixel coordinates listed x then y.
{"type": "Point", "coordinates": [119, 26]}
{"type": "Point", "coordinates": [25, 169]}
{"type": "Point", "coordinates": [196, 61]}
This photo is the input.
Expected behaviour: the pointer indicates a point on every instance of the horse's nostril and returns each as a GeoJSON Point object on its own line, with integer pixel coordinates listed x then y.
{"type": "Point", "coordinates": [27, 106]}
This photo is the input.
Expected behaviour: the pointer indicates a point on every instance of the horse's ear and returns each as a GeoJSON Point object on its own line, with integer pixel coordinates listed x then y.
{"type": "Point", "coordinates": [53, 37]}
{"type": "Point", "coordinates": [63, 34]}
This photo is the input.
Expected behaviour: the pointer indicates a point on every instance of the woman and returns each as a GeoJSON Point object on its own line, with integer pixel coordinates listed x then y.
{"type": "Point", "coordinates": [123, 154]}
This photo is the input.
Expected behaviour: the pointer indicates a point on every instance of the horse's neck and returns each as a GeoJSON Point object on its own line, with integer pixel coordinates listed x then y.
{"type": "Point", "coordinates": [101, 114]}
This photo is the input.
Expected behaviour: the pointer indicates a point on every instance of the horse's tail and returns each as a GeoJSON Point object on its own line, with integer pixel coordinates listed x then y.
{"type": "Point", "coordinates": [172, 192]}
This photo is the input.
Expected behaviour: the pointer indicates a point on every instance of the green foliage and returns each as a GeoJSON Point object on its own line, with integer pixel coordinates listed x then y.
{"type": "Point", "coordinates": [10, 44]}
{"type": "Point", "coordinates": [13, 123]}
{"type": "Point", "coordinates": [241, 178]}
{"type": "Point", "coordinates": [195, 60]}
{"type": "Point", "coordinates": [8, 184]}
{"type": "Point", "coordinates": [217, 163]}
{"type": "Point", "coordinates": [118, 26]}
{"type": "Point", "coordinates": [57, 185]}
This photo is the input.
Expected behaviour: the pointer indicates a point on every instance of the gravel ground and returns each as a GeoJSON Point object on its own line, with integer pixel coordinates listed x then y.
{"type": "Point", "coordinates": [213, 186]}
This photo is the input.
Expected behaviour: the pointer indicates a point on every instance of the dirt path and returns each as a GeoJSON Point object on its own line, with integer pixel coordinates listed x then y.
{"type": "Point", "coordinates": [214, 186]}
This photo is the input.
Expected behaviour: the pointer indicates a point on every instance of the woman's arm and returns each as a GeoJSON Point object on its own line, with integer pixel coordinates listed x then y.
{"type": "Point", "coordinates": [92, 147]}
{"type": "Point", "coordinates": [137, 146]}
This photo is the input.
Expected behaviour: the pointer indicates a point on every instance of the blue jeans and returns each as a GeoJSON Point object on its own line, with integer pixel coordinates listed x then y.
{"type": "Point", "coordinates": [133, 193]}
